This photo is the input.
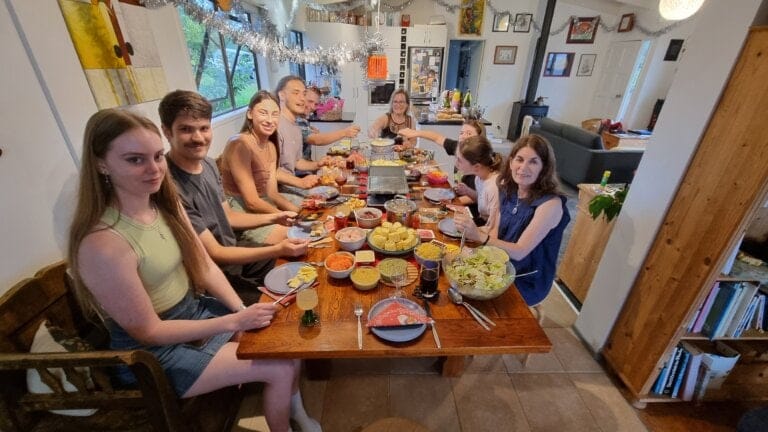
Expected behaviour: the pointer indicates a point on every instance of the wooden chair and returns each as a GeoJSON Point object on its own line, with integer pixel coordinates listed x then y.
{"type": "Point", "coordinates": [151, 406]}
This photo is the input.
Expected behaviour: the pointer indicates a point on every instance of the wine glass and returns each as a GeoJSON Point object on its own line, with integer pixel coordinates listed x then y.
{"type": "Point", "coordinates": [398, 280]}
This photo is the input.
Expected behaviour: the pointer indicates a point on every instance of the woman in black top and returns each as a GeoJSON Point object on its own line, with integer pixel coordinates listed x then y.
{"type": "Point", "coordinates": [398, 118]}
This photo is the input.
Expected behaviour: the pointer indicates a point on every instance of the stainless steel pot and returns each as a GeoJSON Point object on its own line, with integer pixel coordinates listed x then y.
{"type": "Point", "coordinates": [400, 209]}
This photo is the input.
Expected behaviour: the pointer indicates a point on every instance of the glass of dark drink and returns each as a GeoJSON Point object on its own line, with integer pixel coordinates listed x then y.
{"type": "Point", "coordinates": [350, 164]}
{"type": "Point", "coordinates": [430, 272]}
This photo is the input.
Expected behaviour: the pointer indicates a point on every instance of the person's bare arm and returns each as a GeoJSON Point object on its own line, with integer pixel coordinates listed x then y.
{"type": "Point", "coordinates": [224, 255]}
{"type": "Point", "coordinates": [108, 266]}
{"type": "Point", "coordinates": [305, 165]}
{"type": "Point", "coordinates": [412, 134]}
{"type": "Point", "coordinates": [378, 125]}
{"type": "Point", "coordinates": [280, 201]}
{"type": "Point", "coordinates": [546, 217]}
{"type": "Point", "coordinates": [325, 138]}
{"type": "Point", "coordinates": [243, 221]}
{"type": "Point", "coordinates": [239, 159]}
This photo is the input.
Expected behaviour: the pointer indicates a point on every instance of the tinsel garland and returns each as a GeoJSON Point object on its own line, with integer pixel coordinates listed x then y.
{"type": "Point", "coordinates": [268, 43]}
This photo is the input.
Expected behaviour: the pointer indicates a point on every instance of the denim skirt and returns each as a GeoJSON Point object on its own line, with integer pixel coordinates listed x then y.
{"type": "Point", "coordinates": [184, 362]}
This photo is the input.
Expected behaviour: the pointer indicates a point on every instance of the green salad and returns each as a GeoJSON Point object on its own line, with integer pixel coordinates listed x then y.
{"type": "Point", "coordinates": [485, 269]}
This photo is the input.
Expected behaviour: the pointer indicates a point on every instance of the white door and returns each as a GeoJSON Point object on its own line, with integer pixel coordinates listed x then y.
{"type": "Point", "coordinates": [617, 71]}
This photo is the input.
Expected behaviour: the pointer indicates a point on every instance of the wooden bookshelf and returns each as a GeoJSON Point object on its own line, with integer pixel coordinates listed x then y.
{"type": "Point", "coordinates": [720, 193]}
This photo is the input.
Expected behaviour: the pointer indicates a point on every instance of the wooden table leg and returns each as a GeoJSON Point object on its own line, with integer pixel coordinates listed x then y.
{"type": "Point", "coordinates": [453, 366]}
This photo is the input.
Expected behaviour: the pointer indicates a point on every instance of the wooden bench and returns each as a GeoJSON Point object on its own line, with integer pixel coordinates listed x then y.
{"type": "Point", "coordinates": [151, 406]}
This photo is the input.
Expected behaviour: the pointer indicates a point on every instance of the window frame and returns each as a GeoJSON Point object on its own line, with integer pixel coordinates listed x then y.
{"type": "Point", "coordinates": [228, 67]}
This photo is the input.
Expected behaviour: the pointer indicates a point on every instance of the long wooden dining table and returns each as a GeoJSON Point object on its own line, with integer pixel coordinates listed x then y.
{"type": "Point", "coordinates": [517, 331]}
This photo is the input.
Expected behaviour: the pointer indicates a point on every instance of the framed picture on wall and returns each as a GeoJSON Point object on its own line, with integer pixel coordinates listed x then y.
{"type": "Point", "coordinates": [471, 17]}
{"type": "Point", "coordinates": [501, 22]}
{"type": "Point", "coordinates": [558, 64]}
{"type": "Point", "coordinates": [586, 65]}
{"type": "Point", "coordinates": [626, 23]}
{"type": "Point", "coordinates": [523, 23]}
{"type": "Point", "coordinates": [582, 30]}
{"type": "Point", "coordinates": [505, 54]}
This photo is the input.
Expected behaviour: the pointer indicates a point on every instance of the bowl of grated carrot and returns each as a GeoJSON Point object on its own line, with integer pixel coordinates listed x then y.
{"type": "Point", "coordinates": [340, 264]}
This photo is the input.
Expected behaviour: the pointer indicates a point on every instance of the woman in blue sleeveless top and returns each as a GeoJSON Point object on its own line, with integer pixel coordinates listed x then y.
{"type": "Point", "coordinates": [532, 216]}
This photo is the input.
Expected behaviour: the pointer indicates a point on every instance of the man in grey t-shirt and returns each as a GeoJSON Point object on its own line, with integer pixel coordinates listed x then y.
{"type": "Point", "coordinates": [290, 92]}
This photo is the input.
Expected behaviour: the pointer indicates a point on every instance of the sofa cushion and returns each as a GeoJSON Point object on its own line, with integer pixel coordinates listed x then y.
{"type": "Point", "coordinates": [582, 137]}
{"type": "Point", "coordinates": [548, 125]}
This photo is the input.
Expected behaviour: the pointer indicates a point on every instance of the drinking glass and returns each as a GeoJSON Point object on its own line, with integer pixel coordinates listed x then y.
{"type": "Point", "coordinates": [307, 301]}
{"type": "Point", "coordinates": [399, 281]}
{"type": "Point", "coordinates": [430, 272]}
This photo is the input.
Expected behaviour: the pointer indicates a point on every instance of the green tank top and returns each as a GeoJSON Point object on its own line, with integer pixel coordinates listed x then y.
{"type": "Point", "coordinates": [160, 266]}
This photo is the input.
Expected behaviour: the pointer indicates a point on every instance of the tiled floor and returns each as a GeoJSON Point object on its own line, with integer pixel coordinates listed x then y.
{"type": "Point", "coordinates": [564, 390]}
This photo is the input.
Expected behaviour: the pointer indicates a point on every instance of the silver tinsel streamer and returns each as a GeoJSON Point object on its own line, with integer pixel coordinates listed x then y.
{"type": "Point", "coordinates": [268, 46]}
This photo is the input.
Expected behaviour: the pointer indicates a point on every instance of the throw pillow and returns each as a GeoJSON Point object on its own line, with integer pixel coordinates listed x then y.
{"type": "Point", "coordinates": [45, 341]}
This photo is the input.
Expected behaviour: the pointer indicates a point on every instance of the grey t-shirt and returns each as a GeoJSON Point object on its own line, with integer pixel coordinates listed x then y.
{"type": "Point", "coordinates": [202, 196]}
{"type": "Point", "coordinates": [291, 140]}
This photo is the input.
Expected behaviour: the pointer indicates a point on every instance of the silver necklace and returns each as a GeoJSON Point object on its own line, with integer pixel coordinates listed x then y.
{"type": "Point", "coordinates": [517, 203]}
{"type": "Point", "coordinates": [157, 222]}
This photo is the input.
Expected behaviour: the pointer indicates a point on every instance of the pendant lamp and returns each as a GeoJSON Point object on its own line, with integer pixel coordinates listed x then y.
{"type": "Point", "coordinates": [675, 10]}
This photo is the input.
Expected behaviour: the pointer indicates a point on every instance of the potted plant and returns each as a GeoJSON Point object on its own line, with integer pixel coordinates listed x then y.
{"type": "Point", "coordinates": [608, 203]}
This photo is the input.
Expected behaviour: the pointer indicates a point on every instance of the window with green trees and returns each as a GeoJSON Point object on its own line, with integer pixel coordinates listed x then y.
{"type": "Point", "coordinates": [225, 73]}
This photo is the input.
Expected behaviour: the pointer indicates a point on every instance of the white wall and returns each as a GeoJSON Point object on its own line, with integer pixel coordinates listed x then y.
{"type": "Point", "coordinates": [685, 116]}
{"type": "Point", "coordinates": [42, 120]}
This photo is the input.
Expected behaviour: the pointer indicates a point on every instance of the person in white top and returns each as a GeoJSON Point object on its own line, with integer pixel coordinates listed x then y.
{"type": "Point", "coordinates": [475, 156]}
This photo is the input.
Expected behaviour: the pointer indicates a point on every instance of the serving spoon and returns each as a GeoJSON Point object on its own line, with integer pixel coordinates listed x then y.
{"type": "Point", "coordinates": [457, 298]}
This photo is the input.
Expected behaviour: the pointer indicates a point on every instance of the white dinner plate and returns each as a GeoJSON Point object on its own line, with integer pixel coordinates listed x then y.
{"type": "Point", "coordinates": [439, 194]}
{"type": "Point", "coordinates": [297, 232]}
{"type": "Point", "coordinates": [326, 192]}
{"type": "Point", "coordinates": [277, 278]}
{"type": "Point", "coordinates": [447, 227]}
{"type": "Point", "coordinates": [400, 333]}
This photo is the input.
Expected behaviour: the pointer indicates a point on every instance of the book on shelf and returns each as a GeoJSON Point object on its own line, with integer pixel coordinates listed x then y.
{"type": "Point", "coordinates": [730, 310]}
{"type": "Point", "coordinates": [747, 319]}
{"type": "Point", "coordinates": [685, 357]}
{"type": "Point", "coordinates": [673, 370]}
{"type": "Point", "coordinates": [715, 368]}
{"type": "Point", "coordinates": [758, 322]}
{"type": "Point", "coordinates": [705, 308]}
{"type": "Point", "coordinates": [740, 308]}
{"type": "Point", "coordinates": [692, 371]}
{"type": "Point", "coordinates": [714, 319]}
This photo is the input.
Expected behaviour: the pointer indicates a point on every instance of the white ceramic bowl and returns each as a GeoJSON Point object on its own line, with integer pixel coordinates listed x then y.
{"type": "Point", "coordinates": [350, 245]}
{"type": "Point", "coordinates": [362, 286]}
{"type": "Point", "coordinates": [364, 222]}
{"type": "Point", "coordinates": [340, 274]}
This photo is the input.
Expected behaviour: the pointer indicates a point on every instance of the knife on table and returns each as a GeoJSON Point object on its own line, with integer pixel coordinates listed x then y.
{"type": "Point", "coordinates": [434, 330]}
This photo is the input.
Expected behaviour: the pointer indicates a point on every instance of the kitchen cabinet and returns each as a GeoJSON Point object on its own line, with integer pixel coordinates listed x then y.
{"type": "Point", "coordinates": [427, 35]}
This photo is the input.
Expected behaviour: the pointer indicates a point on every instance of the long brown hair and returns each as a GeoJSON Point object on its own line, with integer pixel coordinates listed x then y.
{"type": "Point", "coordinates": [96, 194]}
{"type": "Point", "coordinates": [476, 125]}
{"type": "Point", "coordinates": [478, 150]}
{"type": "Point", "coordinates": [247, 126]}
{"type": "Point", "coordinates": [547, 182]}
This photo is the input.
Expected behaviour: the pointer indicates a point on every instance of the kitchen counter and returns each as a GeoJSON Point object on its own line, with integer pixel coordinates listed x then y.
{"type": "Point", "coordinates": [346, 117]}
{"type": "Point", "coordinates": [450, 122]}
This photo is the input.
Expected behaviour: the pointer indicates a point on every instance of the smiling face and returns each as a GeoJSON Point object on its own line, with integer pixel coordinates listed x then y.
{"type": "Point", "coordinates": [310, 102]}
{"type": "Point", "coordinates": [264, 117]}
{"type": "Point", "coordinates": [399, 104]}
{"type": "Point", "coordinates": [135, 163]}
{"type": "Point", "coordinates": [525, 165]}
{"type": "Point", "coordinates": [190, 138]}
{"type": "Point", "coordinates": [292, 97]}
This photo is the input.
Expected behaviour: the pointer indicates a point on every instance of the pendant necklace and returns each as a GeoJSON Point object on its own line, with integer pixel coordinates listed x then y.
{"type": "Point", "coordinates": [157, 222]}
{"type": "Point", "coordinates": [517, 203]}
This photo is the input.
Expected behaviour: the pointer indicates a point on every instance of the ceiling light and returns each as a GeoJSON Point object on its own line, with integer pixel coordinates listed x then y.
{"type": "Point", "coordinates": [675, 10]}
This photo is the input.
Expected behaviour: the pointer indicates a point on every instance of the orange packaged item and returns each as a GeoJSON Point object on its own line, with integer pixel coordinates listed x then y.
{"type": "Point", "coordinates": [396, 314]}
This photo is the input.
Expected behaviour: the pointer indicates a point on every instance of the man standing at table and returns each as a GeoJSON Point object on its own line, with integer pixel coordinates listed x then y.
{"type": "Point", "coordinates": [310, 134]}
{"type": "Point", "coordinates": [186, 123]}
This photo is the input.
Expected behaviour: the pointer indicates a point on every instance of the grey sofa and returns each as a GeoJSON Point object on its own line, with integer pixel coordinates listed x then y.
{"type": "Point", "coordinates": [581, 157]}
